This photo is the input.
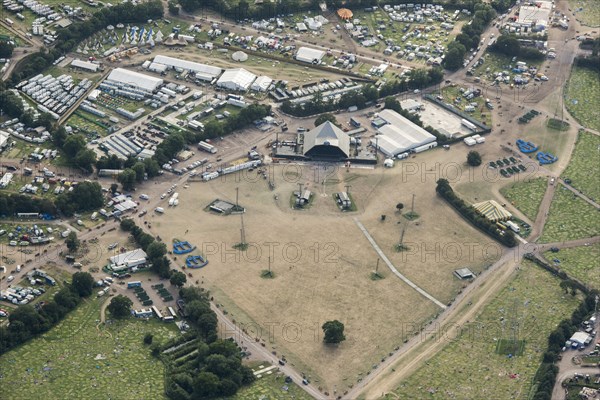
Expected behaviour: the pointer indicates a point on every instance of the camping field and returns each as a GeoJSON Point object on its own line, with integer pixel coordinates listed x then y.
{"type": "Point", "coordinates": [470, 366]}
{"type": "Point", "coordinates": [570, 218]}
{"type": "Point", "coordinates": [526, 195]}
{"type": "Point", "coordinates": [586, 11]}
{"type": "Point", "coordinates": [579, 262]}
{"type": "Point", "coordinates": [582, 96]}
{"type": "Point", "coordinates": [584, 167]}
{"type": "Point", "coordinates": [79, 358]}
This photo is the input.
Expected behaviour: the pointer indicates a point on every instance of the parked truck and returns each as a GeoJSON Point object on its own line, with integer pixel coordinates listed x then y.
{"type": "Point", "coordinates": [207, 147]}
{"type": "Point", "coordinates": [514, 227]}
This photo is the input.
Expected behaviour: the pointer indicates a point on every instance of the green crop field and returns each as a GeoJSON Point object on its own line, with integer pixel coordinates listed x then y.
{"type": "Point", "coordinates": [584, 167]}
{"type": "Point", "coordinates": [79, 358]}
{"type": "Point", "coordinates": [579, 262]}
{"type": "Point", "coordinates": [470, 366]}
{"type": "Point", "coordinates": [570, 218]}
{"type": "Point", "coordinates": [582, 96]}
{"type": "Point", "coordinates": [526, 195]}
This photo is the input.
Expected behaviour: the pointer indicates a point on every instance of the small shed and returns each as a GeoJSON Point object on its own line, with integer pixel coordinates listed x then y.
{"type": "Point", "coordinates": [464, 273]}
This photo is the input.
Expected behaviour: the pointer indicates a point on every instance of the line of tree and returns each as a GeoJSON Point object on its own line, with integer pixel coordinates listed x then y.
{"type": "Point", "coordinates": [70, 37]}
{"type": "Point", "coordinates": [510, 46]}
{"type": "Point", "coordinates": [545, 377]}
{"type": "Point", "coordinates": [11, 204]}
{"type": "Point", "coordinates": [591, 62]}
{"type": "Point", "coordinates": [6, 49]}
{"type": "Point", "coordinates": [155, 250]}
{"type": "Point", "coordinates": [469, 36]}
{"type": "Point", "coordinates": [245, 9]}
{"type": "Point", "coordinates": [444, 189]}
{"type": "Point", "coordinates": [86, 196]}
{"type": "Point", "coordinates": [27, 322]}
{"type": "Point", "coordinates": [592, 44]}
{"type": "Point", "coordinates": [367, 95]}
{"type": "Point", "coordinates": [74, 147]}
{"type": "Point", "coordinates": [208, 367]}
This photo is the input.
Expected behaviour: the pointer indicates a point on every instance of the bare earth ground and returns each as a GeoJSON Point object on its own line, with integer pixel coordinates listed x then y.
{"type": "Point", "coordinates": [310, 287]}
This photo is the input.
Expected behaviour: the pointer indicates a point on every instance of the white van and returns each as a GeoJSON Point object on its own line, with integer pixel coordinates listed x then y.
{"type": "Point", "coordinates": [10, 278]}
{"type": "Point", "coordinates": [18, 268]}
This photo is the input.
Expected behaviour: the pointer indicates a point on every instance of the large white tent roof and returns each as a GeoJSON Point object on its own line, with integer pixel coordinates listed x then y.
{"type": "Point", "coordinates": [400, 134]}
{"type": "Point", "coordinates": [143, 81]}
{"type": "Point", "coordinates": [203, 69]}
{"type": "Point", "coordinates": [236, 79]}
{"type": "Point", "coordinates": [309, 55]}
{"type": "Point", "coordinates": [262, 83]}
{"type": "Point", "coordinates": [90, 66]}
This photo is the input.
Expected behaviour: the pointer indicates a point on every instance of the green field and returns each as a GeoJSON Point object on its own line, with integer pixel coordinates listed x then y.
{"type": "Point", "coordinates": [580, 263]}
{"type": "Point", "coordinates": [570, 218]}
{"type": "Point", "coordinates": [471, 368]}
{"type": "Point", "coordinates": [582, 97]}
{"type": "Point", "coordinates": [526, 196]}
{"type": "Point", "coordinates": [62, 364]}
{"type": "Point", "coordinates": [586, 11]}
{"type": "Point", "coordinates": [584, 167]}
{"type": "Point", "coordinates": [271, 387]}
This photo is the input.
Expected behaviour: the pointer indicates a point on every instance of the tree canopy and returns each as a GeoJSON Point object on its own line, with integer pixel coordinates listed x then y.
{"type": "Point", "coordinates": [83, 283]}
{"type": "Point", "coordinates": [120, 306]}
{"type": "Point", "coordinates": [474, 158]}
{"type": "Point", "coordinates": [333, 332]}
{"type": "Point", "coordinates": [72, 242]}
{"type": "Point", "coordinates": [326, 117]}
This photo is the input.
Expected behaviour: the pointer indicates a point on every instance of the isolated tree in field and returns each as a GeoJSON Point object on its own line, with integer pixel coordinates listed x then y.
{"type": "Point", "coordinates": [474, 158]}
{"type": "Point", "coordinates": [399, 207]}
{"type": "Point", "coordinates": [326, 117]}
{"type": "Point", "coordinates": [72, 242]}
{"type": "Point", "coordinates": [83, 283]}
{"type": "Point", "coordinates": [120, 306]}
{"type": "Point", "coordinates": [178, 278]}
{"type": "Point", "coordinates": [148, 338]}
{"type": "Point", "coordinates": [334, 332]}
